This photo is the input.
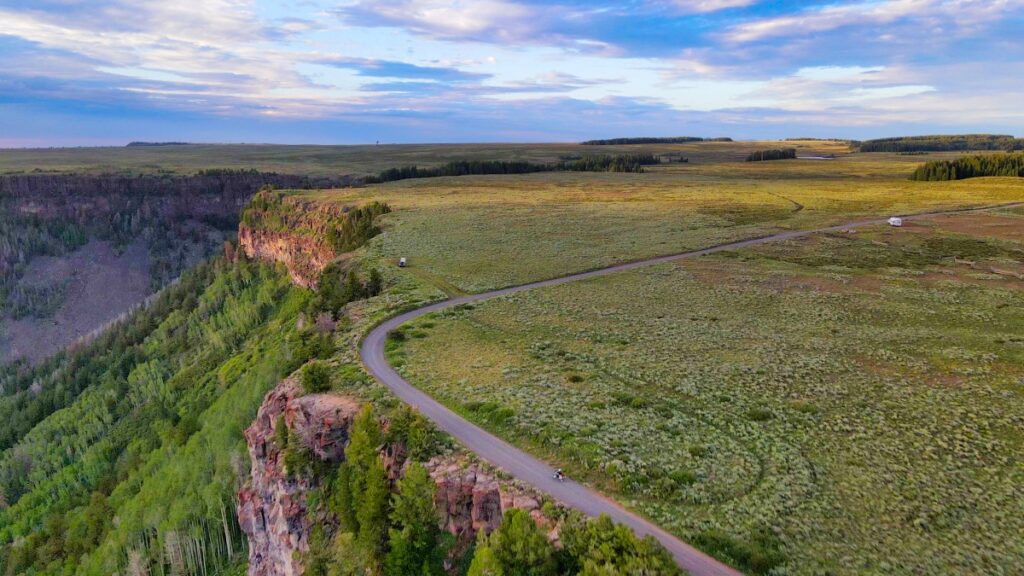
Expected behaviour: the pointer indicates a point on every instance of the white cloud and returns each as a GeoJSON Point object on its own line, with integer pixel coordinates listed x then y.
{"type": "Point", "coordinates": [939, 14]}
{"type": "Point", "coordinates": [705, 6]}
{"type": "Point", "coordinates": [886, 92]}
{"type": "Point", "coordinates": [837, 73]}
{"type": "Point", "coordinates": [480, 20]}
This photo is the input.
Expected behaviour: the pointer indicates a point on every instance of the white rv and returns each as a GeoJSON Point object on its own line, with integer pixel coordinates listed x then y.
{"type": "Point", "coordinates": [896, 221]}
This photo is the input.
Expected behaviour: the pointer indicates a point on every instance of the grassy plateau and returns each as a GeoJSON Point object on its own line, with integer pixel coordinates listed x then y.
{"type": "Point", "coordinates": [848, 404]}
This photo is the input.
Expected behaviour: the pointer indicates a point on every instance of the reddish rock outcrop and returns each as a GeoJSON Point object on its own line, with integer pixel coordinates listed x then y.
{"type": "Point", "coordinates": [470, 497]}
{"type": "Point", "coordinates": [291, 231]}
{"type": "Point", "coordinates": [272, 505]}
{"type": "Point", "coordinates": [272, 511]}
{"type": "Point", "coordinates": [304, 257]}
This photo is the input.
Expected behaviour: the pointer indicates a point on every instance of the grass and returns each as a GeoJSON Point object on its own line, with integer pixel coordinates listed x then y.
{"type": "Point", "coordinates": [334, 160]}
{"type": "Point", "coordinates": [847, 403]}
{"type": "Point", "coordinates": [470, 234]}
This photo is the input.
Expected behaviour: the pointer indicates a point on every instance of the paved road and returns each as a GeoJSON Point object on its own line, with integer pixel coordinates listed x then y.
{"type": "Point", "coordinates": [533, 471]}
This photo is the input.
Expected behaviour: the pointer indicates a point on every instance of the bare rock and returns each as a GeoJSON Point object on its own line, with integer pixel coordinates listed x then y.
{"type": "Point", "coordinates": [271, 506]}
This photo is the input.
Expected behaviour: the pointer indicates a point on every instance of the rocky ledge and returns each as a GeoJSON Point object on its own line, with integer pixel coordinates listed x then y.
{"type": "Point", "coordinates": [272, 506]}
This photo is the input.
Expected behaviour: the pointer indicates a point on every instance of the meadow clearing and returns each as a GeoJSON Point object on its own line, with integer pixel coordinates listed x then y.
{"type": "Point", "coordinates": [846, 403]}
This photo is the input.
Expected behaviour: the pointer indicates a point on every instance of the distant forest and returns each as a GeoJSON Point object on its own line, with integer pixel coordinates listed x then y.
{"type": "Point", "coordinates": [668, 140]}
{"type": "Point", "coordinates": [971, 167]}
{"type": "Point", "coordinates": [608, 163]}
{"type": "Point", "coordinates": [780, 154]}
{"type": "Point", "coordinates": [142, 144]}
{"type": "Point", "coordinates": [943, 143]}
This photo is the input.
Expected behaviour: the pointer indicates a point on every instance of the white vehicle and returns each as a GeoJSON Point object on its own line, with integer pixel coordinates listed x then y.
{"type": "Point", "coordinates": [401, 262]}
{"type": "Point", "coordinates": [895, 221]}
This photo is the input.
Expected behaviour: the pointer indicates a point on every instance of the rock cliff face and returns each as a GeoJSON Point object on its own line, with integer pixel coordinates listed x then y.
{"type": "Point", "coordinates": [470, 498]}
{"type": "Point", "coordinates": [81, 197]}
{"type": "Point", "coordinates": [272, 510]}
{"type": "Point", "coordinates": [272, 505]}
{"type": "Point", "coordinates": [305, 235]}
{"type": "Point", "coordinates": [292, 231]}
{"type": "Point", "coordinates": [305, 257]}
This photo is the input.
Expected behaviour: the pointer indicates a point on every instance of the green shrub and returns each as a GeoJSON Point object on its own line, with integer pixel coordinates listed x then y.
{"type": "Point", "coordinates": [316, 377]}
{"type": "Point", "coordinates": [758, 556]}
{"type": "Point", "coordinates": [760, 414]}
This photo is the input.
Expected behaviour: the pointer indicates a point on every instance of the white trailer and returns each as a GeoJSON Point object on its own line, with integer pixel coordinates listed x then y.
{"type": "Point", "coordinates": [896, 221]}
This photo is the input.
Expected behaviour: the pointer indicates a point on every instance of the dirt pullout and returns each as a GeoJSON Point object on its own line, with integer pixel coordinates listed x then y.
{"type": "Point", "coordinates": [101, 285]}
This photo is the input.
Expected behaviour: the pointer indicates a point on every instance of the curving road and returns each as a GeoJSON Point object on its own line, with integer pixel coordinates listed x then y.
{"type": "Point", "coordinates": [536, 472]}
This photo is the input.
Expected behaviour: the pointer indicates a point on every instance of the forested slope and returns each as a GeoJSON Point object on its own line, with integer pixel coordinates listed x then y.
{"type": "Point", "coordinates": [154, 440]}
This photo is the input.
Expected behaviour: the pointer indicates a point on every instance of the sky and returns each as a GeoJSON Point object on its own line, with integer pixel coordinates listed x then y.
{"type": "Point", "coordinates": [106, 72]}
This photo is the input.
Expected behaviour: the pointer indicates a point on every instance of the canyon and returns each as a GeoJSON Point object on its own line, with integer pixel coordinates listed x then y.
{"type": "Point", "coordinates": [78, 251]}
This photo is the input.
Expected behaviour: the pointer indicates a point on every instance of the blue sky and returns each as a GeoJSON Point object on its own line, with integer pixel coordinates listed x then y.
{"type": "Point", "coordinates": [93, 72]}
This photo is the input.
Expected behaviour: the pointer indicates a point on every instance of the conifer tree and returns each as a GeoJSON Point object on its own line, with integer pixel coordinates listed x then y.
{"type": "Point", "coordinates": [415, 539]}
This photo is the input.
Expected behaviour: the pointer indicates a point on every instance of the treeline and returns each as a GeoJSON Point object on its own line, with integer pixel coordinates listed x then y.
{"type": "Point", "coordinates": [617, 163]}
{"type": "Point", "coordinates": [971, 167]}
{"type": "Point", "coordinates": [143, 144]}
{"type": "Point", "coordinates": [604, 163]}
{"type": "Point", "coordinates": [652, 140]}
{"type": "Point", "coordinates": [341, 284]}
{"type": "Point", "coordinates": [393, 529]}
{"type": "Point", "coordinates": [778, 154]}
{"type": "Point", "coordinates": [459, 168]}
{"type": "Point", "coordinates": [943, 143]}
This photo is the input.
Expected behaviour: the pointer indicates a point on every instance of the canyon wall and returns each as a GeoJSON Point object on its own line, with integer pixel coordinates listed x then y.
{"type": "Point", "coordinates": [272, 506]}
{"type": "Point", "coordinates": [50, 222]}
{"type": "Point", "coordinates": [298, 238]}
{"type": "Point", "coordinates": [81, 197]}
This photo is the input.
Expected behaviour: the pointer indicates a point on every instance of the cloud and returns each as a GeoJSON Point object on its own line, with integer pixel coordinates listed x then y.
{"type": "Point", "coordinates": [476, 20]}
{"type": "Point", "coordinates": [502, 22]}
{"type": "Point", "coordinates": [937, 14]}
{"type": "Point", "coordinates": [391, 69]}
{"type": "Point", "coordinates": [538, 70]}
{"type": "Point", "coordinates": [705, 6]}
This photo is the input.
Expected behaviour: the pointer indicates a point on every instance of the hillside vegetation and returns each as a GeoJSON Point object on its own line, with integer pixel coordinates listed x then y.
{"type": "Point", "coordinates": [773, 405]}
{"type": "Point", "coordinates": [144, 426]}
{"type": "Point", "coordinates": [789, 409]}
{"type": "Point", "coordinates": [971, 167]}
{"type": "Point", "coordinates": [943, 143]}
{"type": "Point", "coordinates": [652, 140]}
